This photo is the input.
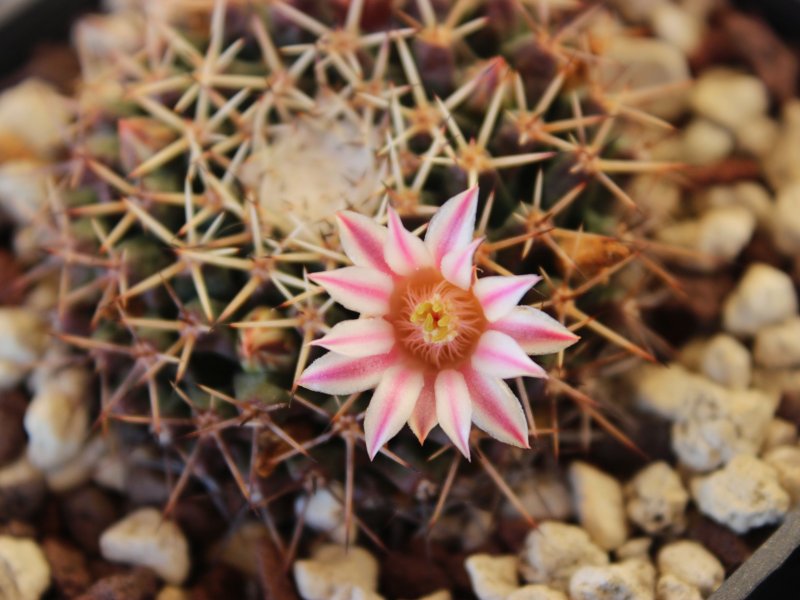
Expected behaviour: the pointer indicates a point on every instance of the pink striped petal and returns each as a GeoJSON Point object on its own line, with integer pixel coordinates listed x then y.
{"type": "Point", "coordinates": [404, 252]}
{"type": "Point", "coordinates": [454, 408]}
{"type": "Point", "coordinates": [452, 227]}
{"type": "Point", "coordinates": [457, 265]}
{"type": "Point", "coordinates": [391, 406]}
{"type": "Point", "coordinates": [535, 331]}
{"type": "Point", "coordinates": [499, 295]}
{"type": "Point", "coordinates": [359, 337]}
{"type": "Point", "coordinates": [337, 374]}
{"type": "Point", "coordinates": [499, 355]}
{"type": "Point", "coordinates": [362, 239]}
{"type": "Point", "coordinates": [360, 289]}
{"type": "Point", "coordinates": [423, 419]}
{"type": "Point", "coordinates": [496, 410]}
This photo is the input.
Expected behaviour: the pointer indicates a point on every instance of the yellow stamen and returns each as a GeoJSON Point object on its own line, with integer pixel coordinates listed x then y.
{"type": "Point", "coordinates": [436, 320]}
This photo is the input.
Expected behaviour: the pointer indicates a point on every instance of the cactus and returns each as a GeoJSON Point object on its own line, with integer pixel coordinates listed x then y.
{"type": "Point", "coordinates": [213, 145]}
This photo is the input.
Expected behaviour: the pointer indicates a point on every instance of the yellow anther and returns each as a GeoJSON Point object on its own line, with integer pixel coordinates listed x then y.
{"type": "Point", "coordinates": [436, 321]}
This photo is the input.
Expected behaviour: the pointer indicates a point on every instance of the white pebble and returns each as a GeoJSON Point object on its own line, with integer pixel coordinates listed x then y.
{"type": "Point", "coordinates": [657, 197]}
{"type": "Point", "coordinates": [629, 580]}
{"type": "Point", "coordinates": [748, 194]}
{"type": "Point", "coordinates": [599, 504]}
{"type": "Point", "coordinates": [726, 361]}
{"type": "Point", "coordinates": [57, 419]}
{"type": "Point", "coordinates": [24, 570]}
{"type": "Point", "coordinates": [724, 231]}
{"type": "Point", "coordinates": [170, 592]}
{"type": "Point", "coordinates": [79, 470]}
{"type": "Point", "coordinates": [777, 381]}
{"type": "Point", "coordinates": [717, 424]}
{"type": "Point", "coordinates": [553, 551]}
{"type": "Point", "coordinates": [743, 495]}
{"type": "Point", "coordinates": [23, 190]}
{"type": "Point", "coordinates": [242, 547]}
{"type": "Point", "coordinates": [492, 577]}
{"type": "Point", "coordinates": [705, 142]}
{"type": "Point", "coordinates": [544, 495]}
{"type": "Point", "coordinates": [758, 136]}
{"type": "Point", "coordinates": [647, 62]}
{"type": "Point", "coordinates": [656, 499]}
{"type": "Point", "coordinates": [664, 390]}
{"type": "Point", "coordinates": [780, 164]}
{"type": "Point", "coordinates": [692, 563]}
{"type": "Point", "coordinates": [36, 114]}
{"type": "Point", "coordinates": [144, 538]}
{"type": "Point", "coordinates": [786, 219]}
{"type": "Point", "coordinates": [675, 25]}
{"type": "Point", "coordinates": [11, 373]}
{"type": "Point", "coordinates": [19, 473]}
{"type": "Point", "coordinates": [337, 572]}
{"type": "Point", "coordinates": [786, 461]}
{"type": "Point", "coordinates": [670, 587]}
{"type": "Point", "coordinates": [23, 339]}
{"type": "Point", "coordinates": [719, 234]}
{"type": "Point", "coordinates": [778, 346]}
{"type": "Point", "coordinates": [634, 548]}
{"type": "Point", "coordinates": [537, 592]}
{"type": "Point", "coordinates": [780, 432]}
{"type": "Point", "coordinates": [729, 97]}
{"type": "Point", "coordinates": [636, 11]}
{"type": "Point", "coordinates": [765, 296]}
{"type": "Point", "coordinates": [471, 528]}
{"type": "Point", "coordinates": [324, 512]}
{"type": "Point", "coordinates": [98, 37]}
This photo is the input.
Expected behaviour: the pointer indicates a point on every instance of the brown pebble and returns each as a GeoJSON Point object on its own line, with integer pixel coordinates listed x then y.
{"type": "Point", "coordinates": [139, 584]}
{"type": "Point", "coordinates": [18, 529]}
{"type": "Point", "coordinates": [219, 582]}
{"type": "Point", "coordinates": [68, 567]}
{"type": "Point", "coordinates": [703, 295]}
{"type": "Point", "coordinates": [22, 501]}
{"type": "Point", "coordinates": [146, 487]}
{"type": "Point", "coordinates": [12, 433]}
{"type": "Point", "coordinates": [789, 407]}
{"type": "Point", "coordinates": [395, 581]}
{"type": "Point", "coordinates": [88, 512]}
{"type": "Point", "coordinates": [512, 533]}
{"type": "Point", "coordinates": [758, 45]}
{"type": "Point", "coordinates": [100, 568]}
{"type": "Point", "coordinates": [199, 520]}
{"type": "Point", "coordinates": [10, 293]}
{"type": "Point", "coordinates": [723, 543]}
{"type": "Point", "coordinates": [728, 170]}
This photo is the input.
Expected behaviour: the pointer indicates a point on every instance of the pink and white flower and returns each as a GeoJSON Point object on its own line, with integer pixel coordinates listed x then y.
{"type": "Point", "coordinates": [432, 339]}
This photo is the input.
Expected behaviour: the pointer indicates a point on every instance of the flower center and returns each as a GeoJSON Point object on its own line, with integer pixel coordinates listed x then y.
{"type": "Point", "coordinates": [436, 319]}
{"type": "Point", "coordinates": [436, 323]}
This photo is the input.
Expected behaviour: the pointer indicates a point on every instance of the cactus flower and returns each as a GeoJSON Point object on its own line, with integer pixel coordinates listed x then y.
{"type": "Point", "coordinates": [435, 341]}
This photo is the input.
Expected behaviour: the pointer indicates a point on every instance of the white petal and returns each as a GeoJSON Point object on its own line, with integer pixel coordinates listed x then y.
{"type": "Point", "coordinates": [496, 410]}
{"type": "Point", "coordinates": [360, 289]}
{"type": "Point", "coordinates": [453, 225]}
{"type": "Point", "coordinates": [500, 294]}
{"type": "Point", "coordinates": [337, 374]}
{"type": "Point", "coordinates": [454, 408]}
{"type": "Point", "coordinates": [423, 419]}
{"type": "Point", "coordinates": [499, 355]}
{"type": "Point", "coordinates": [359, 337]}
{"type": "Point", "coordinates": [391, 406]}
{"type": "Point", "coordinates": [362, 239]}
{"type": "Point", "coordinates": [457, 265]}
{"type": "Point", "coordinates": [535, 331]}
{"type": "Point", "coordinates": [403, 251]}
